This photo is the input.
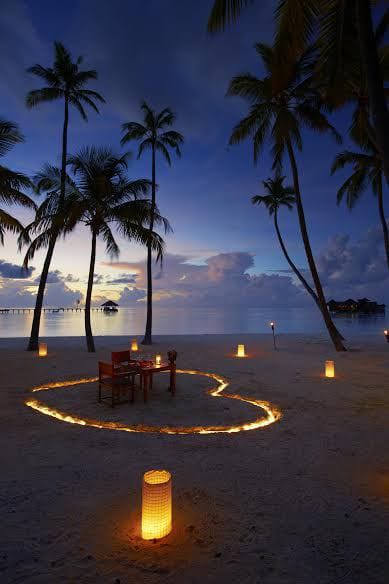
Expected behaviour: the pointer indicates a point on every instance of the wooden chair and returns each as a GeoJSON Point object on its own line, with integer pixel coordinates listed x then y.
{"type": "Point", "coordinates": [119, 377]}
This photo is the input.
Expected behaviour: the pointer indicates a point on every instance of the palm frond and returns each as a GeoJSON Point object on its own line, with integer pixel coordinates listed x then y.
{"type": "Point", "coordinates": [225, 12]}
{"type": "Point", "coordinates": [9, 136]}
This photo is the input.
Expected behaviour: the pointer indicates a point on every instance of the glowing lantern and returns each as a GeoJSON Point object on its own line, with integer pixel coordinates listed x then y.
{"type": "Point", "coordinates": [158, 359]}
{"type": "Point", "coordinates": [42, 351]}
{"type": "Point", "coordinates": [330, 369]}
{"type": "Point", "coordinates": [134, 345]}
{"type": "Point", "coordinates": [156, 504]}
{"type": "Point", "coordinates": [240, 352]}
{"type": "Point", "coordinates": [386, 333]}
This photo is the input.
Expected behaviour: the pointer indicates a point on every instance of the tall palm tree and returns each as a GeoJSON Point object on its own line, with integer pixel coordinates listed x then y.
{"type": "Point", "coordinates": [279, 115]}
{"type": "Point", "coordinates": [278, 195]}
{"type": "Point", "coordinates": [332, 24]}
{"type": "Point", "coordinates": [153, 135]}
{"type": "Point", "coordinates": [11, 182]}
{"type": "Point", "coordinates": [108, 198]}
{"type": "Point", "coordinates": [65, 81]}
{"type": "Point", "coordinates": [367, 172]}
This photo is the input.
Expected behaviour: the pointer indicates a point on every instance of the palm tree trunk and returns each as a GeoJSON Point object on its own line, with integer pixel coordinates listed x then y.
{"type": "Point", "coordinates": [297, 271]}
{"type": "Point", "coordinates": [148, 340]}
{"type": "Point", "coordinates": [34, 336]}
{"type": "Point", "coordinates": [292, 265]}
{"type": "Point", "coordinates": [369, 56]}
{"type": "Point", "coordinates": [382, 218]}
{"type": "Point", "coordinates": [88, 328]}
{"type": "Point", "coordinates": [334, 335]}
{"type": "Point", "coordinates": [64, 147]}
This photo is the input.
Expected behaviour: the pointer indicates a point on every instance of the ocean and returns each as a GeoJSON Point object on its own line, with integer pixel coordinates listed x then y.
{"type": "Point", "coordinates": [177, 321]}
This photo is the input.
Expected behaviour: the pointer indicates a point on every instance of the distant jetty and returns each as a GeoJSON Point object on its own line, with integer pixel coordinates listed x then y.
{"type": "Point", "coordinates": [361, 306]}
{"type": "Point", "coordinates": [54, 310]}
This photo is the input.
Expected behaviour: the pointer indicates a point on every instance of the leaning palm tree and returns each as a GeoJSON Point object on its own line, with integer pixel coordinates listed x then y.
{"type": "Point", "coordinates": [337, 26]}
{"type": "Point", "coordinates": [107, 198]}
{"type": "Point", "coordinates": [153, 136]}
{"type": "Point", "coordinates": [65, 81]}
{"type": "Point", "coordinates": [55, 217]}
{"type": "Point", "coordinates": [11, 183]}
{"type": "Point", "coordinates": [279, 115]}
{"type": "Point", "coordinates": [278, 195]}
{"type": "Point", "coordinates": [367, 172]}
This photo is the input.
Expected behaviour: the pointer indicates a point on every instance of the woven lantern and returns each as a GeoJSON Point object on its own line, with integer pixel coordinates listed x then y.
{"type": "Point", "coordinates": [240, 352]}
{"type": "Point", "coordinates": [42, 350]}
{"type": "Point", "coordinates": [156, 504]}
{"type": "Point", "coordinates": [330, 369]}
{"type": "Point", "coordinates": [134, 345]}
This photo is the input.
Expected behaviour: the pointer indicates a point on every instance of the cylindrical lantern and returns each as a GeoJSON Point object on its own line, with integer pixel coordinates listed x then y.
{"type": "Point", "coordinates": [134, 345]}
{"type": "Point", "coordinates": [156, 504]}
{"type": "Point", "coordinates": [42, 350]}
{"type": "Point", "coordinates": [158, 359]}
{"type": "Point", "coordinates": [240, 352]}
{"type": "Point", "coordinates": [330, 369]}
{"type": "Point", "coordinates": [386, 333]}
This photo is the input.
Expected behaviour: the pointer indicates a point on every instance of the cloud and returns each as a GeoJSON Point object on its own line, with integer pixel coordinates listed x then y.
{"type": "Point", "coordinates": [52, 278]}
{"type": "Point", "coordinates": [22, 294]}
{"type": "Point", "coordinates": [222, 280]}
{"type": "Point", "coordinates": [71, 279]}
{"type": "Point", "coordinates": [355, 269]}
{"type": "Point", "coordinates": [131, 296]}
{"type": "Point", "coordinates": [8, 270]}
{"type": "Point", "coordinates": [98, 278]}
{"type": "Point", "coordinates": [123, 279]}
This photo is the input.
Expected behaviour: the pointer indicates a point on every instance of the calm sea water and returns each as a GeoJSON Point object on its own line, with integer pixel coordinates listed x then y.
{"type": "Point", "coordinates": [131, 321]}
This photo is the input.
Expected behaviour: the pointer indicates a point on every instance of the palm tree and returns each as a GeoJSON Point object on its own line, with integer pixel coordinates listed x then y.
{"type": "Point", "coordinates": [335, 25]}
{"type": "Point", "coordinates": [65, 81]}
{"type": "Point", "coordinates": [11, 182]}
{"type": "Point", "coordinates": [367, 173]}
{"type": "Point", "coordinates": [279, 115]}
{"type": "Point", "coordinates": [107, 197]}
{"type": "Point", "coordinates": [153, 136]}
{"type": "Point", "coordinates": [55, 217]}
{"type": "Point", "coordinates": [277, 195]}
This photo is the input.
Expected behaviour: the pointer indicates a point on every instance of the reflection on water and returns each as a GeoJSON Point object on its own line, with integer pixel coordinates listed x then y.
{"type": "Point", "coordinates": [130, 321]}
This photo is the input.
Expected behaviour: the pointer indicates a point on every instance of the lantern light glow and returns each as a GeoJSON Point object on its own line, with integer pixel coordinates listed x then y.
{"type": "Point", "coordinates": [42, 350]}
{"type": "Point", "coordinates": [330, 369]}
{"type": "Point", "coordinates": [386, 334]}
{"type": "Point", "coordinates": [134, 345]}
{"type": "Point", "coordinates": [156, 504]}
{"type": "Point", "coordinates": [240, 352]}
{"type": "Point", "coordinates": [158, 359]}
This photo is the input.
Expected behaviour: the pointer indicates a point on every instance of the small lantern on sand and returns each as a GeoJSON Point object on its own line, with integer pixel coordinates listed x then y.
{"type": "Point", "coordinates": [158, 359]}
{"type": "Point", "coordinates": [386, 334]}
{"type": "Point", "coordinates": [156, 504]}
{"type": "Point", "coordinates": [134, 346]}
{"type": "Point", "coordinates": [42, 350]}
{"type": "Point", "coordinates": [240, 352]}
{"type": "Point", "coordinates": [330, 369]}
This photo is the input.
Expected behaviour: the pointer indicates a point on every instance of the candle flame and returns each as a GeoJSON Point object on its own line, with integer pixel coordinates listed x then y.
{"type": "Point", "coordinates": [272, 413]}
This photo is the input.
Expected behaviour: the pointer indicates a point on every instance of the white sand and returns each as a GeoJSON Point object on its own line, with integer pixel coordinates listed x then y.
{"type": "Point", "coordinates": [303, 501]}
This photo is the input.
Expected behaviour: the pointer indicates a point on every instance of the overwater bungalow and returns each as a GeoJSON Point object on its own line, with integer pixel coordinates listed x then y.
{"type": "Point", "coordinates": [110, 306]}
{"type": "Point", "coordinates": [362, 305]}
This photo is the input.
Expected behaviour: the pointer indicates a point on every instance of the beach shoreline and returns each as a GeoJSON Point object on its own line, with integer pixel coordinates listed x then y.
{"type": "Point", "coordinates": [305, 499]}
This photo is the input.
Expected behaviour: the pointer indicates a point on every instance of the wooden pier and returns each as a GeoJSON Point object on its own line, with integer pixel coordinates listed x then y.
{"type": "Point", "coordinates": [52, 310]}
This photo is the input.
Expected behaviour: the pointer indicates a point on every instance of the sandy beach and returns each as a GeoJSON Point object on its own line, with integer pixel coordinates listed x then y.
{"type": "Point", "coordinates": [304, 500]}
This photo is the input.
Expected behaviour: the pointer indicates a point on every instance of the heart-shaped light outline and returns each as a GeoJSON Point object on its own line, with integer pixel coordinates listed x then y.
{"type": "Point", "coordinates": [273, 414]}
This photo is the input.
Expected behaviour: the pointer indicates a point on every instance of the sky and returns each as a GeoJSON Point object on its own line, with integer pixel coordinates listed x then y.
{"type": "Point", "coordinates": [222, 249]}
